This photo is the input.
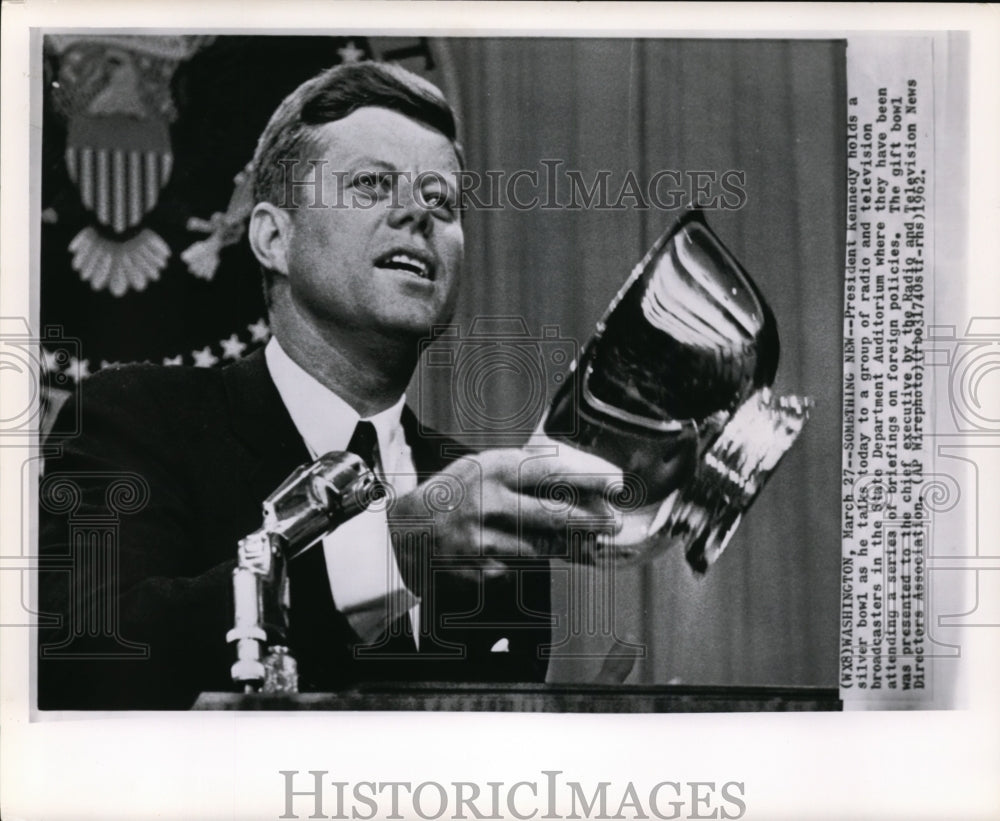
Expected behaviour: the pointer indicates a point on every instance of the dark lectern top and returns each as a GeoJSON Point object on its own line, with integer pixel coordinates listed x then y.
{"type": "Point", "coordinates": [537, 698]}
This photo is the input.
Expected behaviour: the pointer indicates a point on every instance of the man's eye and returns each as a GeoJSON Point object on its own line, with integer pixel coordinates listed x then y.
{"type": "Point", "coordinates": [372, 180]}
{"type": "Point", "coordinates": [439, 200]}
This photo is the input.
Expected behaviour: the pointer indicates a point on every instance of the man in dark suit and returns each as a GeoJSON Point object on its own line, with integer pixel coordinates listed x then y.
{"type": "Point", "coordinates": [141, 515]}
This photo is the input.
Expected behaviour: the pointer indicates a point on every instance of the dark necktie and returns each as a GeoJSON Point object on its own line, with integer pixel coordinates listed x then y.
{"type": "Point", "coordinates": [364, 443]}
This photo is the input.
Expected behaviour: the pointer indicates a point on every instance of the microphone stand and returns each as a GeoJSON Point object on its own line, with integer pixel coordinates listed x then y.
{"type": "Point", "coordinates": [313, 501]}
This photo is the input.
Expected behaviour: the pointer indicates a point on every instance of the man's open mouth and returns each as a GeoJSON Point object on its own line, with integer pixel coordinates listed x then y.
{"type": "Point", "coordinates": [409, 262]}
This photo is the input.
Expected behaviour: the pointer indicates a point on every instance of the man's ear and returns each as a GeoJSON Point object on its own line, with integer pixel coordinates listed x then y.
{"type": "Point", "coordinates": [270, 232]}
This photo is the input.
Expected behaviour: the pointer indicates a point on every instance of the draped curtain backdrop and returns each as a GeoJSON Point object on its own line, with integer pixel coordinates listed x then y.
{"type": "Point", "coordinates": [767, 612]}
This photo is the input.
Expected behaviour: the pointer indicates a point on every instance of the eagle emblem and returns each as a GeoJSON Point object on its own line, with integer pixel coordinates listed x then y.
{"type": "Point", "coordinates": [114, 94]}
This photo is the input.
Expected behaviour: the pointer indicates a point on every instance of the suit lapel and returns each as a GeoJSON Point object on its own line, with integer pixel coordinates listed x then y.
{"type": "Point", "coordinates": [262, 423]}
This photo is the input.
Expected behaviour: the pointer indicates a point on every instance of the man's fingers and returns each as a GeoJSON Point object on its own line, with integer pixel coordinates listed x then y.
{"type": "Point", "coordinates": [503, 548]}
{"type": "Point", "coordinates": [568, 532]}
{"type": "Point", "coordinates": [570, 475]}
{"type": "Point", "coordinates": [547, 514]}
{"type": "Point", "coordinates": [589, 473]}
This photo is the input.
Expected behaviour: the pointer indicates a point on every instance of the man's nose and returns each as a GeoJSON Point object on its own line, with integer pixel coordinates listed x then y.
{"type": "Point", "coordinates": [410, 211]}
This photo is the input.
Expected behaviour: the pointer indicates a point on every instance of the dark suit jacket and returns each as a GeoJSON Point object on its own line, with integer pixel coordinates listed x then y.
{"type": "Point", "coordinates": [140, 518]}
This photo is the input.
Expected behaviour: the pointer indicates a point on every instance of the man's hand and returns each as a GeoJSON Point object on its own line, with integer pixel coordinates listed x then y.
{"type": "Point", "coordinates": [501, 508]}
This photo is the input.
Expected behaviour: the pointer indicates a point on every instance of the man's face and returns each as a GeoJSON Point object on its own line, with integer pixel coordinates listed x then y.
{"type": "Point", "coordinates": [388, 258]}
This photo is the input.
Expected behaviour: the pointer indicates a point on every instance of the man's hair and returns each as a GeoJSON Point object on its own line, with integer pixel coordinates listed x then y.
{"type": "Point", "coordinates": [291, 133]}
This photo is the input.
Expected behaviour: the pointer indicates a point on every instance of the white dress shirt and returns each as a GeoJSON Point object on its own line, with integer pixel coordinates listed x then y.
{"type": "Point", "coordinates": [364, 577]}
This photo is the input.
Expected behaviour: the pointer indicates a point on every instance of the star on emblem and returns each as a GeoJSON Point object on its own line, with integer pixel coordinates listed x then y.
{"type": "Point", "coordinates": [174, 360]}
{"type": "Point", "coordinates": [204, 358]}
{"type": "Point", "coordinates": [78, 368]}
{"type": "Point", "coordinates": [232, 348]}
{"type": "Point", "coordinates": [259, 332]}
{"type": "Point", "coordinates": [350, 53]}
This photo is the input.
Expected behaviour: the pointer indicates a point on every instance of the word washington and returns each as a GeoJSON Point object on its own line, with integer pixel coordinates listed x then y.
{"type": "Point", "coordinates": [547, 798]}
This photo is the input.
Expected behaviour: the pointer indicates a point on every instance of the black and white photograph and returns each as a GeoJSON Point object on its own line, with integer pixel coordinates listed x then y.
{"type": "Point", "coordinates": [556, 491]}
{"type": "Point", "coordinates": [523, 405]}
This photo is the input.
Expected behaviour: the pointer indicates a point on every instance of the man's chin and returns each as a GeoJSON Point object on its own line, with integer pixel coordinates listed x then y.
{"type": "Point", "coordinates": [413, 326]}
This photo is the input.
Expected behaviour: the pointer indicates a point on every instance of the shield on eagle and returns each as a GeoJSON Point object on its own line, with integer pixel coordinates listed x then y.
{"type": "Point", "coordinates": [114, 93]}
{"type": "Point", "coordinates": [119, 161]}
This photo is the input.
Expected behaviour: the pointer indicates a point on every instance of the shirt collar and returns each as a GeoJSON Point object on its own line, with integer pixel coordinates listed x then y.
{"type": "Point", "coordinates": [324, 420]}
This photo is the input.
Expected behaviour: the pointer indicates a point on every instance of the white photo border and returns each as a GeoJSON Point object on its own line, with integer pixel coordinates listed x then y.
{"type": "Point", "coordinates": [207, 765]}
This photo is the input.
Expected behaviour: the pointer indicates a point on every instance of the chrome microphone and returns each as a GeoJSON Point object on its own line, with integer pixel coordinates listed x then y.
{"type": "Point", "coordinates": [674, 389]}
{"type": "Point", "coordinates": [314, 500]}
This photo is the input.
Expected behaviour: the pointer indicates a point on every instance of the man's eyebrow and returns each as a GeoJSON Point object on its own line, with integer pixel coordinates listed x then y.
{"type": "Point", "coordinates": [366, 161]}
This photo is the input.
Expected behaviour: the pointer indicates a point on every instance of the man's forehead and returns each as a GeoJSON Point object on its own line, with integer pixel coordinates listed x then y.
{"type": "Point", "coordinates": [381, 135]}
